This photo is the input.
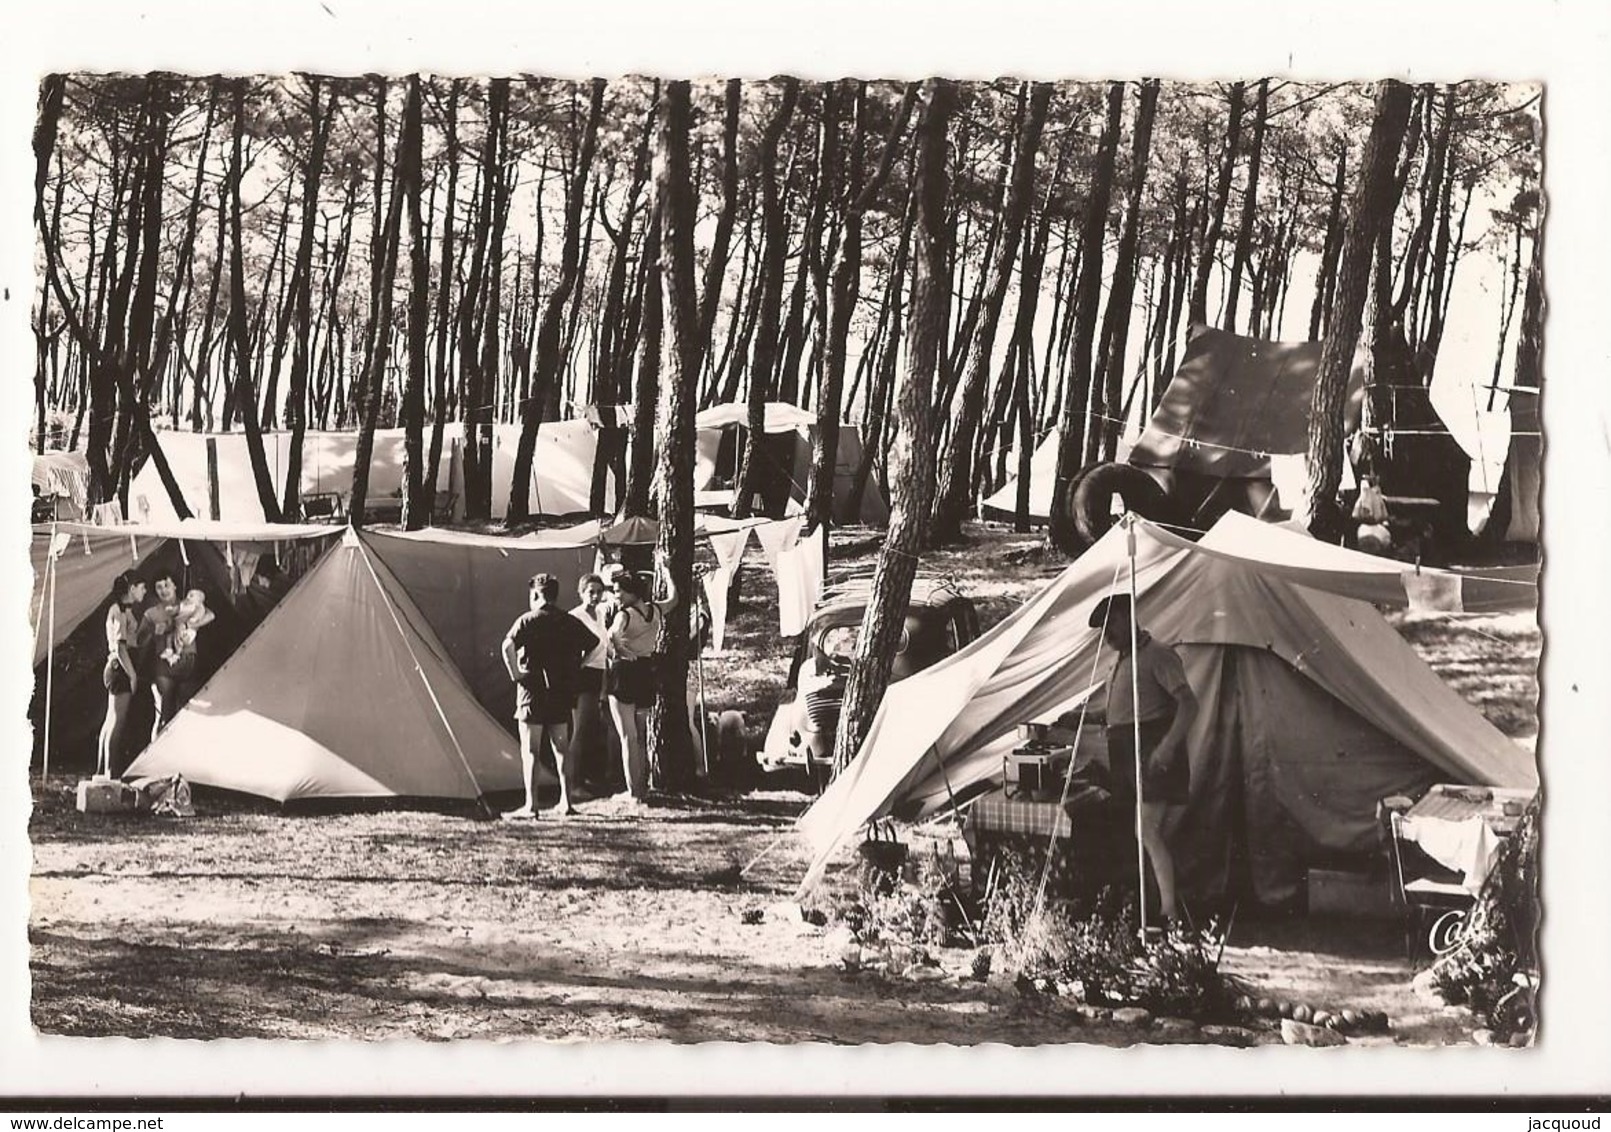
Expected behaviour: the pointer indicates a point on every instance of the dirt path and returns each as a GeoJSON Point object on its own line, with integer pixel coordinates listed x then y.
{"type": "Point", "coordinates": [614, 924]}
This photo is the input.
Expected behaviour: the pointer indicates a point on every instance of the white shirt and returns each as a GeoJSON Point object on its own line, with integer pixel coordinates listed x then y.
{"type": "Point", "coordinates": [596, 622]}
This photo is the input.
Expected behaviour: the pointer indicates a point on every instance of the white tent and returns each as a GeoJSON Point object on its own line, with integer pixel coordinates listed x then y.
{"type": "Point", "coordinates": [1314, 706]}
{"type": "Point", "coordinates": [215, 475]}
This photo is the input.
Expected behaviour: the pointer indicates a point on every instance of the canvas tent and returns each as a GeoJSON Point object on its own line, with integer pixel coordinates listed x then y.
{"type": "Point", "coordinates": [76, 585]}
{"type": "Point", "coordinates": [71, 594]}
{"type": "Point", "coordinates": [345, 691]}
{"type": "Point", "coordinates": [790, 431]}
{"type": "Point", "coordinates": [561, 469]}
{"type": "Point", "coordinates": [1313, 709]}
{"type": "Point", "coordinates": [62, 478]}
{"type": "Point", "coordinates": [214, 472]}
{"type": "Point", "coordinates": [1524, 465]}
{"type": "Point", "coordinates": [470, 588]}
{"type": "Point", "coordinates": [1002, 504]}
{"type": "Point", "coordinates": [1236, 409]}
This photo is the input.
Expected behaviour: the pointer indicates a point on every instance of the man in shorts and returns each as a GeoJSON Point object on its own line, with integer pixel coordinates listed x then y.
{"type": "Point", "coordinates": [543, 651]}
{"type": "Point", "coordinates": [1149, 686]}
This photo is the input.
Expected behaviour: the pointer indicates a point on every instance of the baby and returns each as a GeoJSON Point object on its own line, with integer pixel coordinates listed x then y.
{"type": "Point", "coordinates": [192, 615]}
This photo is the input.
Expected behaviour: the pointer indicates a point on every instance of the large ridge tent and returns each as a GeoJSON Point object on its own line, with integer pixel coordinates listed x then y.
{"type": "Point", "coordinates": [790, 431]}
{"type": "Point", "coordinates": [379, 675]}
{"type": "Point", "coordinates": [561, 469]}
{"type": "Point", "coordinates": [215, 474]}
{"type": "Point", "coordinates": [1313, 709]}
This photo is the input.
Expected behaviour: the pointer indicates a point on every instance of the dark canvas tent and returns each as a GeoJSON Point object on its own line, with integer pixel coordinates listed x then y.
{"type": "Point", "coordinates": [1235, 406]}
{"type": "Point", "coordinates": [1313, 709]}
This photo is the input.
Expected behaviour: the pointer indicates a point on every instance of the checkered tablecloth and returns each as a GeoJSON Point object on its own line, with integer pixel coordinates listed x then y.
{"type": "Point", "coordinates": [998, 813]}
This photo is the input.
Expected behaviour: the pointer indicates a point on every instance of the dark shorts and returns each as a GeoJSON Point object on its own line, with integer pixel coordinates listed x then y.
{"type": "Point", "coordinates": [541, 707]}
{"type": "Point", "coordinates": [1169, 785]}
{"type": "Point", "coordinates": [632, 681]}
{"type": "Point", "coordinates": [591, 682]}
{"type": "Point", "coordinates": [115, 679]}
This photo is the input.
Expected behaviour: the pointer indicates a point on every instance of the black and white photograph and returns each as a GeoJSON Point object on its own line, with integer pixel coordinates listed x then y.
{"type": "Point", "coordinates": [615, 555]}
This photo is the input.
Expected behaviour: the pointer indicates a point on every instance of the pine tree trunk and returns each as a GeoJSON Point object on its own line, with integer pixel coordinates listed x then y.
{"type": "Point", "coordinates": [237, 319]}
{"type": "Point", "coordinates": [1083, 310]}
{"type": "Point", "coordinates": [956, 464]}
{"type": "Point", "coordinates": [417, 486]}
{"type": "Point", "coordinates": [752, 477]}
{"type": "Point", "coordinates": [380, 342]}
{"type": "Point", "coordinates": [640, 467]}
{"type": "Point", "coordinates": [1198, 309]}
{"type": "Point", "coordinates": [671, 749]}
{"type": "Point", "coordinates": [301, 300]}
{"type": "Point", "coordinates": [721, 241]}
{"type": "Point", "coordinates": [444, 291]}
{"type": "Point", "coordinates": [1374, 201]}
{"type": "Point", "coordinates": [913, 471]}
{"type": "Point", "coordinates": [475, 408]}
{"type": "Point", "coordinates": [1121, 297]}
{"type": "Point", "coordinates": [546, 374]}
{"type": "Point", "coordinates": [1250, 207]}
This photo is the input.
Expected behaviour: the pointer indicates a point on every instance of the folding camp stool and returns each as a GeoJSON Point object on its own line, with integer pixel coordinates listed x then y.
{"type": "Point", "coordinates": [1434, 909]}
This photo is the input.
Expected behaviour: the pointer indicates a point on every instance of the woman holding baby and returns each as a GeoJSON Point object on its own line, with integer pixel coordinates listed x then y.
{"type": "Point", "coordinates": [167, 644]}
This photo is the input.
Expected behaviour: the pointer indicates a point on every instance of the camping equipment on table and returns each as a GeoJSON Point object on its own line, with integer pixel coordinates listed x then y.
{"type": "Point", "coordinates": [1035, 769]}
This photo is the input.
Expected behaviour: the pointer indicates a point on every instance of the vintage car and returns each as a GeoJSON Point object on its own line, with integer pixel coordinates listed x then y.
{"type": "Point", "coordinates": [939, 621]}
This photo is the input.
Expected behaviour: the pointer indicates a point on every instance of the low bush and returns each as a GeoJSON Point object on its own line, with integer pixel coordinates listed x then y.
{"type": "Point", "coordinates": [1091, 949]}
{"type": "Point", "coordinates": [1493, 968]}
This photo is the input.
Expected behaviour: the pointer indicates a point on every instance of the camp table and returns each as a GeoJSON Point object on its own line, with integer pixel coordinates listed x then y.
{"type": "Point", "coordinates": [1457, 828]}
{"type": "Point", "coordinates": [1088, 848]}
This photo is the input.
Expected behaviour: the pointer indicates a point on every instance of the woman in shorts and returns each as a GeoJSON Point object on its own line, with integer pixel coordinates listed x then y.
{"type": "Point", "coordinates": [634, 632]}
{"type": "Point", "coordinates": [122, 630]}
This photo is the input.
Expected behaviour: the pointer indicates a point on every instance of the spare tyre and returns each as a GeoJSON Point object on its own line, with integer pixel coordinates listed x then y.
{"type": "Point", "coordinates": [1093, 494]}
{"type": "Point", "coordinates": [1062, 530]}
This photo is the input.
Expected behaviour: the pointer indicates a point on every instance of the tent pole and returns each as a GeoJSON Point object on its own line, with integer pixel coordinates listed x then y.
{"type": "Point", "coordinates": [50, 654]}
{"type": "Point", "coordinates": [1135, 719]}
{"type": "Point", "coordinates": [38, 615]}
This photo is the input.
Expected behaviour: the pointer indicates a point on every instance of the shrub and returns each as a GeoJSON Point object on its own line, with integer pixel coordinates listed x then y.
{"type": "Point", "coordinates": [1493, 967]}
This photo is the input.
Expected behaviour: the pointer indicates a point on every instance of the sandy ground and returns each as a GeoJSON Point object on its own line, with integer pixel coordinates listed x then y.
{"type": "Point", "coordinates": [617, 923]}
